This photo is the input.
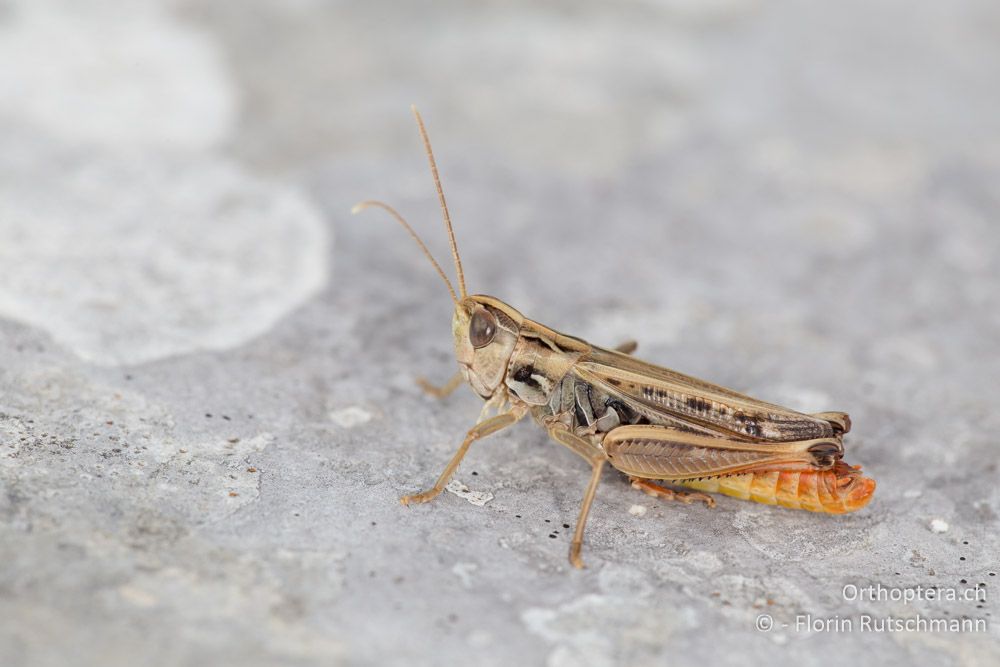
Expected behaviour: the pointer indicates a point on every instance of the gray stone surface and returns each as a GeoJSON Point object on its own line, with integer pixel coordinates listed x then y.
{"type": "Point", "coordinates": [207, 408]}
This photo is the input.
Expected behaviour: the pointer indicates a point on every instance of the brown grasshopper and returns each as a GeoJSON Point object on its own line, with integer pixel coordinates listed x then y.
{"type": "Point", "coordinates": [649, 422]}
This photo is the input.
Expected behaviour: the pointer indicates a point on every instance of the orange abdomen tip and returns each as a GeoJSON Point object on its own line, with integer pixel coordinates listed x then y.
{"type": "Point", "coordinates": [858, 493]}
{"type": "Point", "coordinates": [839, 490]}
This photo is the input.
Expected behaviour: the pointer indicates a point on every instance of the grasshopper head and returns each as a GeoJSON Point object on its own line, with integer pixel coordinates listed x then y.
{"type": "Point", "coordinates": [485, 331]}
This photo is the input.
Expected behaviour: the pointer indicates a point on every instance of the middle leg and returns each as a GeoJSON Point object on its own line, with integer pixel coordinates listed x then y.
{"type": "Point", "coordinates": [595, 457]}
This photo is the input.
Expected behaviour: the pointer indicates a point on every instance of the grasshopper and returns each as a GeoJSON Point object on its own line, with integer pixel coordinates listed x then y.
{"type": "Point", "coordinates": [651, 423]}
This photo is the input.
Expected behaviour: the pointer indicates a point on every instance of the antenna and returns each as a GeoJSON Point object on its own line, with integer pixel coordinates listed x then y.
{"type": "Point", "coordinates": [391, 211]}
{"type": "Point", "coordinates": [444, 205]}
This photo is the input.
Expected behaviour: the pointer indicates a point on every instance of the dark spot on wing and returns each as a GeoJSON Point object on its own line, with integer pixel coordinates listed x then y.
{"type": "Point", "coordinates": [750, 425]}
{"type": "Point", "coordinates": [656, 395]}
{"type": "Point", "coordinates": [698, 404]}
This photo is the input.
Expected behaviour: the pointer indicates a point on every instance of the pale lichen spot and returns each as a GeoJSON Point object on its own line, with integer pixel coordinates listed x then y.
{"type": "Point", "coordinates": [638, 510]}
{"type": "Point", "coordinates": [477, 498]}
{"type": "Point", "coordinates": [350, 417]}
{"type": "Point", "coordinates": [938, 526]}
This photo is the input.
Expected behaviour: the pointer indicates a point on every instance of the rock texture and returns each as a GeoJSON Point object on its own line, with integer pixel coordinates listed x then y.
{"type": "Point", "coordinates": [208, 409]}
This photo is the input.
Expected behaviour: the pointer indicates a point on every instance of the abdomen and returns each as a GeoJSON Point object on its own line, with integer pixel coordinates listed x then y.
{"type": "Point", "coordinates": [839, 490]}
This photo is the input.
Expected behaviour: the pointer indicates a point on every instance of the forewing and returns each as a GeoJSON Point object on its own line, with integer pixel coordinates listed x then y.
{"type": "Point", "coordinates": [706, 406]}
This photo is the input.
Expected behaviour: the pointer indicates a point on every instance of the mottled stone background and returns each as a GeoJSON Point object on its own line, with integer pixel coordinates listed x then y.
{"type": "Point", "coordinates": [207, 407]}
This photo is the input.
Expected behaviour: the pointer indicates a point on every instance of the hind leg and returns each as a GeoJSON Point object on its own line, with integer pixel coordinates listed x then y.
{"type": "Point", "coordinates": [687, 497]}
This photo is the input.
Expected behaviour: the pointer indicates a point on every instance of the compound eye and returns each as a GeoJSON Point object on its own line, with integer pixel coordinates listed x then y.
{"type": "Point", "coordinates": [482, 329]}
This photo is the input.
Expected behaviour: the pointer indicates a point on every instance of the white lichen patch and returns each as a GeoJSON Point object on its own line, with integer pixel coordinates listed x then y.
{"type": "Point", "coordinates": [477, 498]}
{"type": "Point", "coordinates": [129, 258]}
{"type": "Point", "coordinates": [938, 526]}
{"type": "Point", "coordinates": [638, 510]}
{"type": "Point", "coordinates": [125, 239]}
{"type": "Point", "coordinates": [351, 416]}
{"type": "Point", "coordinates": [127, 74]}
